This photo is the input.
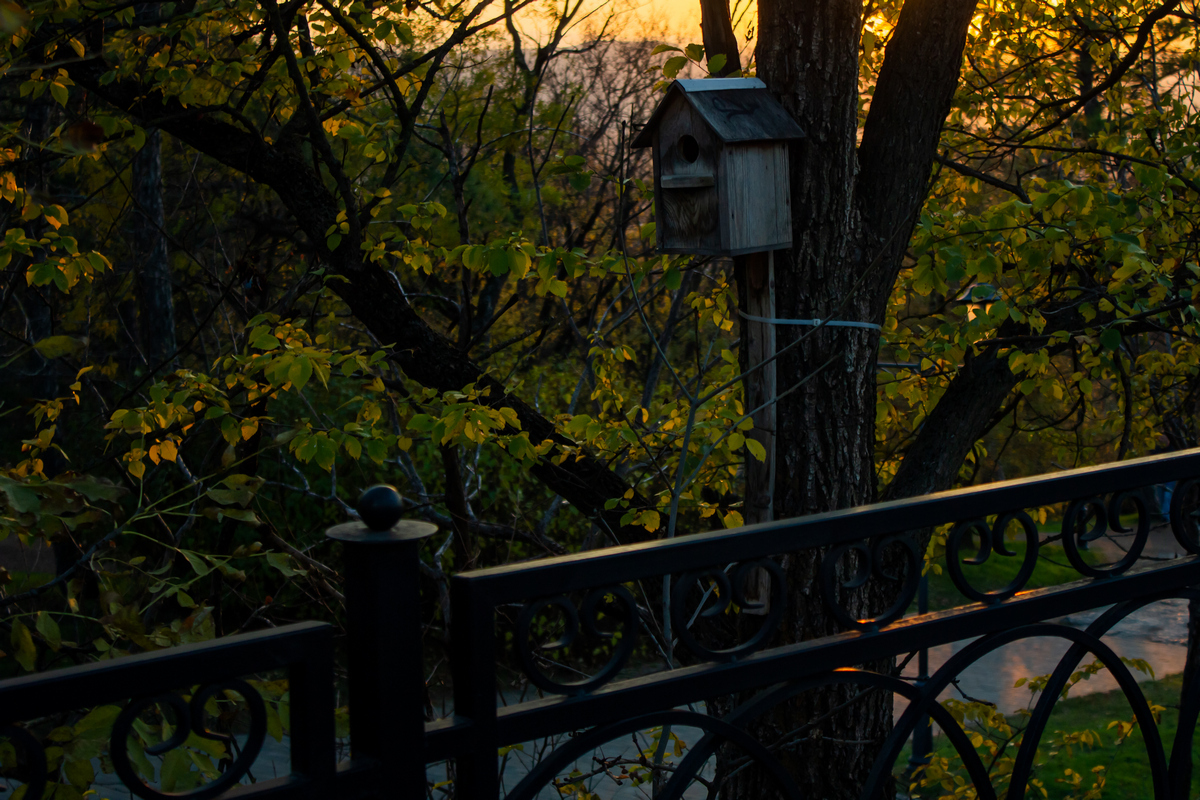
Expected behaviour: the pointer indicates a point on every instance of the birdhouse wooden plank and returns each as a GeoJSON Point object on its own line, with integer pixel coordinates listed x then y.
{"type": "Point", "coordinates": [721, 180]}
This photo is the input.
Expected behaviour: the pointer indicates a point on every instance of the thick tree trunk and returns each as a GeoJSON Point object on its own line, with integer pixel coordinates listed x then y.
{"type": "Point", "coordinates": [849, 231]}
{"type": "Point", "coordinates": [808, 55]}
{"type": "Point", "coordinates": [966, 408]}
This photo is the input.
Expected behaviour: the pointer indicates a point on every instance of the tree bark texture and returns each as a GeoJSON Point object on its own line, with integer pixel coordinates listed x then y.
{"type": "Point", "coordinates": [853, 211]}
{"type": "Point", "coordinates": [156, 307]}
{"type": "Point", "coordinates": [719, 38]}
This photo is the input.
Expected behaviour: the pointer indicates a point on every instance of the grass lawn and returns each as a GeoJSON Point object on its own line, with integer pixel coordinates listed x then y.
{"type": "Point", "coordinates": [1126, 768]}
{"type": "Point", "coordinates": [998, 571]}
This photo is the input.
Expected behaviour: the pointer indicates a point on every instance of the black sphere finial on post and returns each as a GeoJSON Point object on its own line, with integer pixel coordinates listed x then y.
{"type": "Point", "coordinates": [383, 623]}
{"type": "Point", "coordinates": [380, 507]}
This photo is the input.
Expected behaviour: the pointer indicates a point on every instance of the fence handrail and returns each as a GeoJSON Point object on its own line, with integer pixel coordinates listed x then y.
{"type": "Point", "coordinates": [557, 574]}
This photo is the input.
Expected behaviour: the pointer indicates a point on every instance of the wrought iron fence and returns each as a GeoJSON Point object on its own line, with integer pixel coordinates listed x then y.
{"type": "Point", "coordinates": [573, 628]}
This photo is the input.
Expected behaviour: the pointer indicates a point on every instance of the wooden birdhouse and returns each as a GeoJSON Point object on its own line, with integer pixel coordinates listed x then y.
{"type": "Point", "coordinates": [721, 181]}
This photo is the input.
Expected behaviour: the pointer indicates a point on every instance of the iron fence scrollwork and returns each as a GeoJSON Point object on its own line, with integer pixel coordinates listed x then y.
{"type": "Point", "coordinates": [190, 718]}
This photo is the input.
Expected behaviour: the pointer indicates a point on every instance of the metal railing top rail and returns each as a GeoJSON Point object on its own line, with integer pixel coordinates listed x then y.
{"type": "Point", "coordinates": [115, 680]}
{"type": "Point", "coordinates": [559, 574]}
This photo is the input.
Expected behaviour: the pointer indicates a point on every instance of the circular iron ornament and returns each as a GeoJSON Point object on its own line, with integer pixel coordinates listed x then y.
{"type": "Point", "coordinates": [870, 562]}
{"type": "Point", "coordinates": [560, 759]}
{"type": "Point", "coordinates": [190, 718]}
{"type": "Point", "coordinates": [991, 540]}
{"type": "Point", "coordinates": [730, 590]}
{"type": "Point", "coordinates": [1185, 515]}
{"type": "Point", "coordinates": [589, 611]}
{"type": "Point", "coordinates": [35, 756]}
{"type": "Point", "coordinates": [1088, 519]}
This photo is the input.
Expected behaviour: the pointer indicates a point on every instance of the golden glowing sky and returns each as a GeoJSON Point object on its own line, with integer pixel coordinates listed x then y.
{"type": "Point", "coordinates": [682, 16]}
{"type": "Point", "coordinates": [671, 21]}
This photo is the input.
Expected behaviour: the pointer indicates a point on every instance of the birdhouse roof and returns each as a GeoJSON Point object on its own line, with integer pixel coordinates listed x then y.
{"type": "Point", "coordinates": [736, 109]}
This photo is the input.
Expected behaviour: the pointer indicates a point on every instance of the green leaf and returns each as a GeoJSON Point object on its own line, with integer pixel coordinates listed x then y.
{"type": "Point", "coordinates": [300, 371]}
{"type": "Point", "coordinates": [79, 773]}
{"type": "Point", "coordinates": [245, 515]}
{"type": "Point", "coordinates": [695, 52]}
{"type": "Point", "coordinates": [326, 451]}
{"type": "Point", "coordinates": [230, 496]}
{"type": "Point", "coordinates": [474, 257]}
{"type": "Point", "coordinates": [518, 263]}
{"type": "Point", "coordinates": [59, 93]}
{"type": "Point", "coordinates": [580, 181]}
{"type": "Point", "coordinates": [673, 65]}
{"type": "Point", "coordinates": [59, 346]}
{"type": "Point", "coordinates": [1110, 338]}
{"type": "Point", "coordinates": [717, 63]}
{"type": "Point", "coordinates": [48, 628]}
{"type": "Point", "coordinates": [650, 520]}
{"type": "Point", "coordinates": [97, 489]}
{"type": "Point", "coordinates": [20, 498]}
{"type": "Point", "coordinates": [283, 563]}
{"type": "Point", "coordinates": [498, 261]}
{"type": "Point", "coordinates": [673, 279]}
{"type": "Point", "coordinates": [756, 449]}
{"type": "Point", "coordinates": [176, 765]}
{"type": "Point", "coordinates": [665, 48]}
{"type": "Point", "coordinates": [198, 565]}
{"type": "Point", "coordinates": [22, 642]}
{"type": "Point", "coordinates": [98, 722]}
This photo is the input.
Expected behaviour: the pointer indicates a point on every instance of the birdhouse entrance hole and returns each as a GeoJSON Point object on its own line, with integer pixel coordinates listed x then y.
{"type": "Point", "coordinates": [689, 148]}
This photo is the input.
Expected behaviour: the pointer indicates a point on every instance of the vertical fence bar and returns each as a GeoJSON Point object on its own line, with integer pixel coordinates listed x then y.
{"type": "Point", "coordinates": [387, 676]}
{"type": "Point", "coordinates": [473, 668]}
{"type": "Point", "coordinates": [922, 738]}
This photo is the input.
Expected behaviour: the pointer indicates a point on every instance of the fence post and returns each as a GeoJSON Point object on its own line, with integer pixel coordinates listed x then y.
{"type": "Point", "coordinates": [383, 622]}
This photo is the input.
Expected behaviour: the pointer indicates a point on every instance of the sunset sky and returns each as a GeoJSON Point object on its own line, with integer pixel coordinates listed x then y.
{"type": "Point", "coordinates": [670, 19]}
{"type": "Point", "coordinates": [681, 15]}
